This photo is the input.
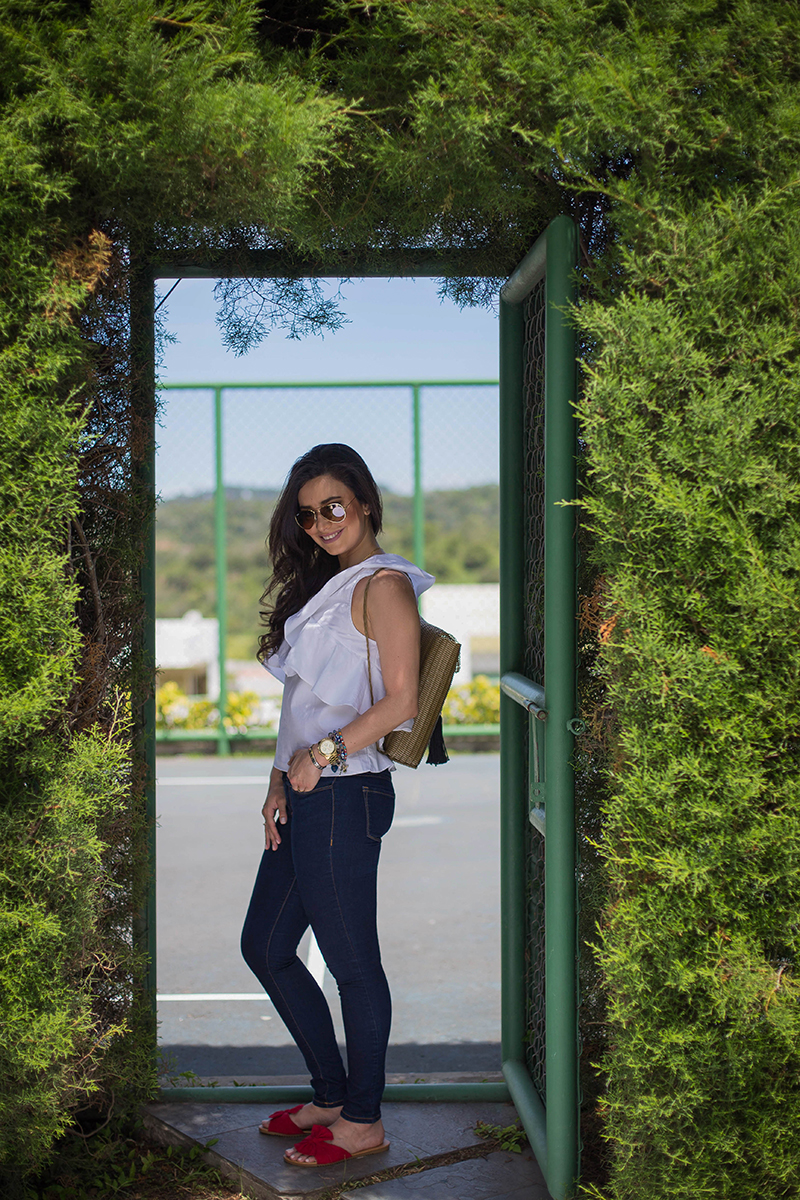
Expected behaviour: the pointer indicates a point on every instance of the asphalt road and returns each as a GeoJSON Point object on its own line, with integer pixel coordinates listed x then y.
{"type": "Point", "coordinates": [439, 919]}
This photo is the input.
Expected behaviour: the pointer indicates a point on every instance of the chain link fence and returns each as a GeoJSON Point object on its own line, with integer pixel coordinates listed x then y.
{"type": "Point", "coordinates": [223, 453]}
{"type": "Point", "coordinates": [534, 348]}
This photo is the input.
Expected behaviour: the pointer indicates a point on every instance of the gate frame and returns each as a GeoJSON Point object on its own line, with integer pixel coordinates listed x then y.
{"type": "Point", "coordinates": [553, 1131]}
{"type": "Point", "coordinates": [554, 256]}
{"type": "Point", "coordinates": [147, 268]}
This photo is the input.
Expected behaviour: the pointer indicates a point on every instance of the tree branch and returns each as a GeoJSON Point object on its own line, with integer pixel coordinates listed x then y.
{"type": "Point", "coordinates": [87, 557]}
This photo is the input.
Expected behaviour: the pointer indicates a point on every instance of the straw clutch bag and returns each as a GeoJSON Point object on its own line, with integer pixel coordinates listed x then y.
{"type": "Point", "coordinates": [438, 661]}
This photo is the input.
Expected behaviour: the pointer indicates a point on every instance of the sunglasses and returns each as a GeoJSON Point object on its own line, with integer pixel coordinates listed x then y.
{"type": "Point", "coordinates": [334, 511]}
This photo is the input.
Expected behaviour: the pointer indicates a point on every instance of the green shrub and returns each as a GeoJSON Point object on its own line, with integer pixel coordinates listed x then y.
{"type": "Point", "coordinates": [692, 412]}
{"type": "Point", "coordinates": [67, 975]}
{"type": "Point", "coordinates": [115, 119]}
{"type": "Point", "coordinates": [473, 703]}
{"type": "Point", "coordinates": [241, 710]}
{"type": "Point", "coordinates": [176, 710]}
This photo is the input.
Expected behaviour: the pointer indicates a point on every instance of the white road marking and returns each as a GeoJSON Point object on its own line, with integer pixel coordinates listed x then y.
{"type": "Point", "coordinates": [315, 962]}
{"type": "Point", "coordinates": [407, 822]}
{"type": "Point", "coordinates": [200, 996]}
{"type": "Point", "coordinates": [252, 780]}
{"type": "Point", "coordinates": [212, 780]}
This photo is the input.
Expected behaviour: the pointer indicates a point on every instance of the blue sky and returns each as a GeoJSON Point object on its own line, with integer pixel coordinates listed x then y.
{"type": "Point", "coordinates": [398, 330]}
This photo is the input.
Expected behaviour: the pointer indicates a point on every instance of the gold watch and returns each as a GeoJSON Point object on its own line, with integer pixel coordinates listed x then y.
{"type": "Point", "coordinates": [327, 748]}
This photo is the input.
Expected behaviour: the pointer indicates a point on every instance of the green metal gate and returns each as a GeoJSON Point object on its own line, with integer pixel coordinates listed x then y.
{"type": "Point", "coordinates": [538, 380]}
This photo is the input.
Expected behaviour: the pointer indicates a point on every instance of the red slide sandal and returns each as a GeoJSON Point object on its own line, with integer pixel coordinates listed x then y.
{"type": "Point", "coordinates": [280, 1124]}
{"type": "Point", "coordinates": [319, 1145]}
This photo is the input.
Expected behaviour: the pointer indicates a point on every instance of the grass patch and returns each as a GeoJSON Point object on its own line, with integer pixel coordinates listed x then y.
{"type": "Point", "coordinates": [108, 1165]}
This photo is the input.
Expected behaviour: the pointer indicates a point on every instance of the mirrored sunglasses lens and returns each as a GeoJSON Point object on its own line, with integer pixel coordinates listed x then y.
{"type": "Point", "coordinates": [334, 512]}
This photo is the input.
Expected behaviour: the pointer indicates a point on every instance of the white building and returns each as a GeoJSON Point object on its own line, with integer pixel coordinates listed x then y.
{"type": "Point", "coordinates": [186, 653]}
{"type": "Point", "coordinates": [187, 648]}
{"type": "Point", "coordinates": [471, 612]}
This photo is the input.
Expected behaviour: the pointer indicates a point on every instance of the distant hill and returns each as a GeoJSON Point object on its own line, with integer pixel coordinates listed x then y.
{"type": "Point", "coordinates": [461, 532]}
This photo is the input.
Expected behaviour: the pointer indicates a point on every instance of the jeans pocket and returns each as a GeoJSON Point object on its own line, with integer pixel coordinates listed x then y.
{"type": "Point", "coordinates": [379, 809]}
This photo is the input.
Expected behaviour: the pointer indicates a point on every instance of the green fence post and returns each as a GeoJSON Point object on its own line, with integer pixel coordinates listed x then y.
{"type": "Point", "coordinates": [559, 684]}
{"type": "Point", "coordinates": [419, 498]}
{"type": "Point", "coordinates": [223, 744]}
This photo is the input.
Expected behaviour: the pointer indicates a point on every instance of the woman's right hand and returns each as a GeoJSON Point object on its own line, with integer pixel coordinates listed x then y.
{"type": "Point", "coordinates": [274, 810]}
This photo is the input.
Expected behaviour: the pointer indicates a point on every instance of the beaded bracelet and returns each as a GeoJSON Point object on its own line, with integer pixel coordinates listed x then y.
{"type": "Point", "coordinates": [341, 751]}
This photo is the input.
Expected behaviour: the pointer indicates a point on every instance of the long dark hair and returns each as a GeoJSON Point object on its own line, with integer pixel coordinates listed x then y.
{"type": "Point", "coordinates": [299, 566]}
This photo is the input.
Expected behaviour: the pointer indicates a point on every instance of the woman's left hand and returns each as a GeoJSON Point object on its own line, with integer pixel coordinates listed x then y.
{"type": "Point", "coordinates": [302, 774]}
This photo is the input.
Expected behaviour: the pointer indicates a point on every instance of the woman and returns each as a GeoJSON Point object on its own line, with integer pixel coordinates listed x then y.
{"type": "Point", "coordinates": [330, 797]}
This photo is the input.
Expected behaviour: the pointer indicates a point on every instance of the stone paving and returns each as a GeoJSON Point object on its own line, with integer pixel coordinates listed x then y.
{"type": "Point", "coordinates": [420, 1134]}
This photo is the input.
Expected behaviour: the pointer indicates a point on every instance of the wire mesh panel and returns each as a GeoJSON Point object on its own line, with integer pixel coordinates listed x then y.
{"type": "Point", "coordinates": [452, 464]}
{"type": "Point", "coordinates": [460, 477]}
{"type": "Point", "coordinates": [534, 473]}
{"type": "Point", "coordinates": [460, 436]}
{"type": "Point", "coordinates": [538, 372]}
{"type": "Point", "coordinates": [185, 517]}
{"type": "Point", "coordinates": [267, 429]}
{"type": "Point", "coordinates": [534, 346]}
{"type": "Point", "coordinates": [185, 443]}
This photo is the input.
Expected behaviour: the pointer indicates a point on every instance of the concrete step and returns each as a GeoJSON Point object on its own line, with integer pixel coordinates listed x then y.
{"type": "Point", "coordinates": [193, 1080]}
{"type": "Point", "coordinates": [435, 1154]}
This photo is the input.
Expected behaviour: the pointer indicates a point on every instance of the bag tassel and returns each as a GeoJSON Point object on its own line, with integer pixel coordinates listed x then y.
{"type": "Point", "coordinates": [437, 751]}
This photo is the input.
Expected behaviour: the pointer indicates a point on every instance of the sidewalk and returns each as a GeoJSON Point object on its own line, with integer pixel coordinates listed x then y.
{"type": "Point", "coordinates": [435, 1154]}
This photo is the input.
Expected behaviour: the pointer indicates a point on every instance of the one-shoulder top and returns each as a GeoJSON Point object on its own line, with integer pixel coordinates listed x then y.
{"type": "Point", "coordinates": [322, 663]}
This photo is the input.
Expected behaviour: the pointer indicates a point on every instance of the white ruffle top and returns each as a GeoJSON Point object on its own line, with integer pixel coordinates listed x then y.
{"type": "Point", "coordinates": [322, 663]}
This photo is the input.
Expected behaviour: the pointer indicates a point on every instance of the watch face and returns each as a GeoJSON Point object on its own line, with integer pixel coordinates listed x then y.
{"type": "Point", "coordinates": [327, 747]}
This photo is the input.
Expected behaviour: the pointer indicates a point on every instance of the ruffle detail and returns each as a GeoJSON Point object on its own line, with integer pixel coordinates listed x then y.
{"type": "Point", "coordinates": [332, 681]}
{"type": "Point", "coordinates": [323, 647]}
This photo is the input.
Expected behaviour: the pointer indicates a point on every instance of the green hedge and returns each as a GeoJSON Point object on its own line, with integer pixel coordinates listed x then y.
{"type": "Point", "coordinates": [65, 956]}
{"type": "Point", "coordinates": [67, 971]}
{"type": "Point", "coordinates": [692, 412]}
{"type": "Point", "coordinates": [113, 117]}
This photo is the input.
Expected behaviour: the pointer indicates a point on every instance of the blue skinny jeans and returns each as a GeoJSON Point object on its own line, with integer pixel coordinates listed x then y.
{"type": "Point", "coordinates": [324, 874]}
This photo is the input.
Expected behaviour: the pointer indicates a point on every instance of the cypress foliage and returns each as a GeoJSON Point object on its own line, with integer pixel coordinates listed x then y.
{"type": "Point", "coordinates": [44, 1023]}
{"type": "Point", "coordinates": [672, 127]}
{"type": "Point", "coordinates": [670, 130]}
{"type": "Point", "coordinates": [692, 414]}
{"type": "Point", "coordinates": [115, 119]}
